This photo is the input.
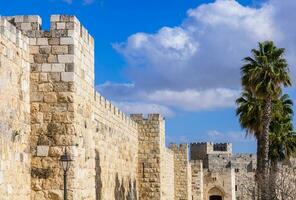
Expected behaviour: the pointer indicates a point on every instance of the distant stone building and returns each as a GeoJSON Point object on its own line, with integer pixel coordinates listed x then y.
{"type": "Point", "coordinates": [219, 174]}
{"type": "Point", "coordinates": [48, 103]}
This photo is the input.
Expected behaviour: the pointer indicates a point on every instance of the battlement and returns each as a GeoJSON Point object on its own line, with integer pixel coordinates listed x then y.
{"type": "Point", "coordinates": [25, 23]}
{"type": "Point", "coordinates": [178, 147]}
{"type": "Point", "coordinates": [103, 102]}
{"type": "Point", "coordinates": [60, 26]}
{"type": "Point", "coordinates": [199, 151]}
{"type": "Point", "coordinates": [149, 117]}
{"type": "Point", "coordinates": [225, 147]}
{"type": "Point", "coordinates": [10, 32]}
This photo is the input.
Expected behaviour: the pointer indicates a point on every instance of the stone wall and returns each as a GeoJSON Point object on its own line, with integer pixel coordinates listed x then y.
{"type": "Point", "coordinates": [197, 179]}
{"type": "Point", "coordinates": [244, 166]}
{"type": "Point", "coordinates": [219, 183]}
{"type": "Point", "coordinates": [155, 162]}
{"type": "Point", "coordinates": [149, 160]}
{"type": "Point", "coordinates": [182, 172]}
{"type": "Point", "coordinates": [168, 175]}
{"type": "Point", "coordinates": [116, 152]}
{"type": "Point", "coordinates": [49, 104]}
{"type": "Point", "coordinates": [66, 112]}
{"type": "Point", "coordinates": [14, 114]}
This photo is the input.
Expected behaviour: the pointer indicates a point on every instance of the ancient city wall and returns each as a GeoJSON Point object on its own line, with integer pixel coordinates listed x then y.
{"type": "Point", "coordinates": [49, 104]}
{"type": "Point", "coordinates": [66, 111]}
{"type": "Point", "coordinates": [244, 166]}
{"type": "Point", "coordinates": [149, 161]}
{"type": "Point", "coordinates": [168, 175]}
{"type": "Point", "coordinates": [116, 149]}
{"type": "Point", "coordinates": [197, 179]}
{"type": "Point", "coordinates": [155, 162]}
{"type": "Point", "coordinates": [182, 169]}
{"type": "Point", "coordinates": [219, 183]}
{"type": "Point", "coordinates": [14, 114]}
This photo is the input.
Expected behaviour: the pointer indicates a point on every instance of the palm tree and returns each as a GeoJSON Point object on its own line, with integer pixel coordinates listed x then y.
{"type": "Point", "coordinates": [263, 74]}
{"type": "Point", "coordinates": [250, 111]}
{"type": "Point", "coordinates": [282, 137]}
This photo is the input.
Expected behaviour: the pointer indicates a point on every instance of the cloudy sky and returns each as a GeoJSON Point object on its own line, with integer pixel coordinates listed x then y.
{"type": "Point", "coordinates": [179, 58]}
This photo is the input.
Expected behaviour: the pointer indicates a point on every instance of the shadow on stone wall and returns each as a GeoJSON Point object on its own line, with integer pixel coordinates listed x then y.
{"type": "Point", "coordinates": [119, 190]}
{"type": "Point", "coordinates": [98, 178]}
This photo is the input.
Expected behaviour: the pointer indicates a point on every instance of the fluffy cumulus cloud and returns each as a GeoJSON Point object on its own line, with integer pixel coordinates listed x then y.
{"type": "Point", "coordinates": [230, 136]}
{"type": "Point", "coordinates": [144, 108]}
{"type": "Point", "coordinates": [162, 100]}
{"type": "Point", "coordinates": [195, 66]}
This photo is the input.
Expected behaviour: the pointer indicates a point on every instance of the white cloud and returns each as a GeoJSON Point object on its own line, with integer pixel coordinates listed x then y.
{"type": "Point", "coordinates": [205, 51]}
{"type": "Point", "coordinates": [188, 100]}
{"type": "Point", "coordinates": [144, 108]}
{"type": "Point", "coordinates": [195, 66]}
{"type": "Point", "coordinates": [228, 136]}
{"type": "Point", "coordinates": [194, 100]}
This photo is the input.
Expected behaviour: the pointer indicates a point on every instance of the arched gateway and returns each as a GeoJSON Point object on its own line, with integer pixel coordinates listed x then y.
{"type": "Point", "coordinates": [215, 197]}
{"type": "Point", "coordinates": [215, 194]}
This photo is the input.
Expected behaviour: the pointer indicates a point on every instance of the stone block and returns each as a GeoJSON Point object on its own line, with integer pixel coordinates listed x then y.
{"type": "Point", "coordinates": [42, 41]}
{"type": "Point", "coordinates": [45, 49]}
{"type": "Point", "coordinates": [54, 76]}
{"type": "Point", "coordinates": [60, 49]}
{"type": "Point", "coordinates": [26, 26]}
{"type": "Point", "coordinates": [45, 87]}
{"type": "Point", "coordinates": [65, 97]}
{"type": "Point", "coordinates": [46, 67]}
{"type": "Point", "coordinates": [33, 41]}
{"type": "Point", "coordinates": [43, 77]}
{"type": "Point", "coordinates": [55, 18]}
{"type": "Point", "coordinates": [69, 67]}
{"type": "Point", "coordinates": [36, 96]}
{"type": "Point", "coordinates": [60, 25]}
{"type": "Point", "coordinates": [66, 58]}
{"type": "Point", "coordinates": [54, 41]}
{"type": "Point", "coordinates": [67, 76]}
{"type": "Point", "coordinates": [66, 40]}
{"type": "Point", "coordinates": [40, 58]}
{"type": "Point", "coordinates": [52, 58]}
{"type": "Point", "coordinates": [58, 67]}
{"type": "Point", "coordinates": [50, 97]}
{"type": "Point", "coordinates": [42, 150]}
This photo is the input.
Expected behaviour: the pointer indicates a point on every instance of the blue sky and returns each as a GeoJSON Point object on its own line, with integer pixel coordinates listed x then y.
{"type": "Point", "coordinates": [179, 58]}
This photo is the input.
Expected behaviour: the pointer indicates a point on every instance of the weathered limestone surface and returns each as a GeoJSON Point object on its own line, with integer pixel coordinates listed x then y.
{"type": "Point", "coordinates": [220, 172]}
{"type": "Point", "coordinates": [65, 111]}
{"type": "Point", "coordinates": [149, 160]}
{"type": "Point", "coordinates": [14, 114]}
{"type": "Point", "coordinates": [155, 161]}
{"type": "Point", "coordinates": [197, 179]}
{"type": "Point", "coordinates": [168, 175]}
{"type": "Point", "coordinates": [182, 172]}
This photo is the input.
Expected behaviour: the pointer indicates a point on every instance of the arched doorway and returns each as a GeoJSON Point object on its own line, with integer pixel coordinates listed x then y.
{"type": "Point", "coordinates": [215, 193]}
{"type": "Point", "coordinates": [215, 197]}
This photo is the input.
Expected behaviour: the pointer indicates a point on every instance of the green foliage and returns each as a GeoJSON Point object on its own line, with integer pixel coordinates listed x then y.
{"type": "Point", "coordinates": [266, 71]}
{"type": "Point", "coordinates": [282, 135]}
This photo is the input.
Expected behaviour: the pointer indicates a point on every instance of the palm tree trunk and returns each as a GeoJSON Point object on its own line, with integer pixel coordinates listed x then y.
{"type": "Point", "coordinates": [259, 165]}
{"type": "Point", "coordinates": [273, 179]}
{"type": "Point", "coordinates": [266, 118]}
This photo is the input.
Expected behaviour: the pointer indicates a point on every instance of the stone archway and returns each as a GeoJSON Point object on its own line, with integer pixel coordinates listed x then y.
{"type": "Point", "coordinates": [215, 193]}
{"type": "Point", "coordinates": [215, 197]}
